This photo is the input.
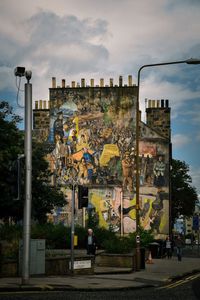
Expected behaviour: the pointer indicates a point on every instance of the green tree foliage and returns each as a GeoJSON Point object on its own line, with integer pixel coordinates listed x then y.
{"type": "Point", "coordinates": [11, 144]}
{"type": "Point", "coordinates": [44, 197]}
{"type": "Point", "coordinates": [184, 195]}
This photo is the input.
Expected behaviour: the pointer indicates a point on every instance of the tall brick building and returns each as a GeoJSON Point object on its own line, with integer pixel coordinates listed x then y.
{"type": "Point", "coordinates": [91, 130]}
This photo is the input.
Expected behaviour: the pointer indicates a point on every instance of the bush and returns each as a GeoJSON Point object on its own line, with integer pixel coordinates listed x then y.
{"type": "Point", "coordinates": [118, 245]}
{"type": "Point", "coordinates": [10, 236]}
{"type": "Point", "coordinates": [55, 235]}
{"type": "Point", "coordinates": [127, 244]}
{"type": "Point", "coordinates": [103, 235]}
{"type": "Point", "coordinates": [59, 237]}
{"type": "Point", "coordinates": [146, 237]}
{"type": "Point", "coordinates": [10, 232]}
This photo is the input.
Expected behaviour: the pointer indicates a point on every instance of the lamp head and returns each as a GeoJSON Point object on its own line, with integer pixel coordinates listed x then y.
{"type": "Point", "coordinates": [193, 61]}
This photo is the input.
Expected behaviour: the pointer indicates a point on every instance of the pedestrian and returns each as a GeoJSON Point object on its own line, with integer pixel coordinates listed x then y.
{"type": "Point", "coordinates": [179, 244]}
{"type": "Point", "coordinates": [168, 246]}
{"type": "Point", "coordinates": [91, 242]}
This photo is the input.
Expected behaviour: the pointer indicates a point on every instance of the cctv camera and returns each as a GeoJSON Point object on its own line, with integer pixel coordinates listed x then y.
{"type": "Point", "coordinates": [28, 75]}
{"type": "Point", "coordinates": [19, 71]}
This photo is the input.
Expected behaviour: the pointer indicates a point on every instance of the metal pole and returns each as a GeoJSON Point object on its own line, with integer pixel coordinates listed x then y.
{"type": "Point", "coordinates": [83, 216]}
{"type": "Point", "coordinates": [121, 214]}
{"type": "Point", "coordinates": [72, 228]}
{"type": "Point", "coordinates": [28, 184]}
{"type": "Point", "coordinates": [170, 187]}
{"type": "Point", "coordinates": [137, 155]}
{"type": "Point", "coordinates": [137, 176]}
{"type": "Point", "coordinates": [188, 61]}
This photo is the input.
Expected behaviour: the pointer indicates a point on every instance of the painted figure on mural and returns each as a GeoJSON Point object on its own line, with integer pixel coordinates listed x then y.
{"type": "Point", "coordinates": [58, 125]}
{"type": "Point", "coordinates": [159, 172]}
{"type": "Point", "coordinates": [149, 171]}
{"type": "Point", "coordinates": [82, 142]}
{"type": "Point", "coordinates": [82, 171]}
{"type": "Point", "coordinates": [87, 156]}
{"type": "Point", "coordinates": [145, 209]}
{"type": "Point", "coordinates": [66, 131]}
{"type": "Point", "coordinates": [142, 169]}
{"type": "Point", "coordinates": [57, 153]}
{"type": "Point", "coordinates": [128, 171]}
{"type": "Point", "coordinates": [156, 213]}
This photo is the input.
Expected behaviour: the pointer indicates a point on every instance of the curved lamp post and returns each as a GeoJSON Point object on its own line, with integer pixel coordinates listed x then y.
{"type": "Point", "coordinates": [191, 61]}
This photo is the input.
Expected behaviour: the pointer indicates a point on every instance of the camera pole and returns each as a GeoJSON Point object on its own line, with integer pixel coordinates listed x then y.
{"type": "Point", "coordinates": [28, 183]}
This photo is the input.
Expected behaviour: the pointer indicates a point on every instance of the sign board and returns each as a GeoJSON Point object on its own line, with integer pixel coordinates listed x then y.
{"type": "Point", "coordinates": [81, 264]}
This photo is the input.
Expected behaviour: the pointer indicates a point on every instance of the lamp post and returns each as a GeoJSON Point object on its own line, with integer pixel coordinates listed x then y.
{"type": "Point", "coordinates": [28, 182]}
{"type": "Point", "coordinates": [191, 61]}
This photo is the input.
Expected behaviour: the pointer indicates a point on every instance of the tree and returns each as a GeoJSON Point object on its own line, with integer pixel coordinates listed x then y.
{"type": "Point", "coordinates": [11, 144]}
{"type": "Point", "coordinates": [44, 197]}
{"type": "Point", "coordinates": [184, 195]}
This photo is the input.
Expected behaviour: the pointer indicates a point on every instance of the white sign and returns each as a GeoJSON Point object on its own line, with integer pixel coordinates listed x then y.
{"type": "Point", "coordinates": [81, 264]}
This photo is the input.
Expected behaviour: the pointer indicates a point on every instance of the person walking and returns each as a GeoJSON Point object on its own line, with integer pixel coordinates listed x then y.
{"type": "Point", "coordinates": [168, 246]}
{"type": "Point", "coordinates": [179, 244]}
{"type": "Point", "coordinates": [91, 242]}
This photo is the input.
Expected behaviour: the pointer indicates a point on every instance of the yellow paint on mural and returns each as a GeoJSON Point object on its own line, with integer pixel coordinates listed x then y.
{"type": "Point", "coordinates": [109, 151]}
{"type": "Point", "coordinates": [132, 212]}
{"type": "Point", "coordinates": [96, 200]}
{"type": "Point", "coordinates": [76, 122]}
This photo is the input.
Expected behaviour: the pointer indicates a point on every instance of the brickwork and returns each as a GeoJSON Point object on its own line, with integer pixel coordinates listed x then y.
{"type": "Point", "coordinates": [158, 117]}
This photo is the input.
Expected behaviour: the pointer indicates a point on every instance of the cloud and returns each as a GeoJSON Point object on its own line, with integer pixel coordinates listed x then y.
{"type": "Point", "coordinates": [180, 140]}
{"type": "Point", "coordinates": [95, 39]}
{"type": "Point", "coordinates": [192, 113]}
{"type": "Point", "coordinates": [49, 45]}
{"type": "Point", "coordinates": [65, 43]}
{"type": "Point", "coordinates": [155, 85]}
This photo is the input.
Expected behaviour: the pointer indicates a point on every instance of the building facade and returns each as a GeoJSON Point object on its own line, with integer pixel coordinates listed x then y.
{"type": "Point", "coordinates": [91, 132]}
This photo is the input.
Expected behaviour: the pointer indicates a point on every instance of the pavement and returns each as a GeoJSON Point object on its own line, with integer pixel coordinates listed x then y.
{"type": "Point", "coordinates": [160, 272]}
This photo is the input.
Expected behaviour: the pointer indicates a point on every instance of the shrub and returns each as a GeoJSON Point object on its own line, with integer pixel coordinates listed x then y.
{"type": "Point", "coordinates": [118, 245]}
{"type": "Point", "coordinates": [10, 236]}
{"type": "Point", "coordinates": [59, 237]}
{"type": "Point", "coordinates": [146, 237]}
{"type": "Point", "coordinates": [10, 232]}
{"type": "Point", "coordinates": [103, 235]}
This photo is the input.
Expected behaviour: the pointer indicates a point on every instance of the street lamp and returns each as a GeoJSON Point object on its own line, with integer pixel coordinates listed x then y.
{"type": "Point", "coordinates": [20, 72]}
{"type": "Point", "coordinates": [191, 61]}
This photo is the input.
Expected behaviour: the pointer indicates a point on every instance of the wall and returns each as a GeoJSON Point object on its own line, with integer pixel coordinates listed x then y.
{"type": "Point", "coordinates": [92, 133]}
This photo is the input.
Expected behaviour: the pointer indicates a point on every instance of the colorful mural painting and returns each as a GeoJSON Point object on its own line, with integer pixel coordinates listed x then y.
{"type": "Point", "coordinates": [94, 138]}
{"type": "Point", "coordinates": [92, 132]}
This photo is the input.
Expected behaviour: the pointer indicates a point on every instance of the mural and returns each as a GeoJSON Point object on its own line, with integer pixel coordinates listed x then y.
{"type": "Point", "coordinates": [94, 139]}
{"type": "Point", "coordinates": [92, 133]}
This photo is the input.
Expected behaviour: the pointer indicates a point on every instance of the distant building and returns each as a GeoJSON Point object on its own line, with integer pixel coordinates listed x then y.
{"type": "Point", "coordinates": [90, 132]}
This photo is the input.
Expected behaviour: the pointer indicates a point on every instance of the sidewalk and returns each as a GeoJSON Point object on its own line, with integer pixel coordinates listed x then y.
{"type": "Point", "coordinates": [159, 273]}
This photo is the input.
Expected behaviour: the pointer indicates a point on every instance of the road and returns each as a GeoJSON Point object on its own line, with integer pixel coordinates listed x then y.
{"type": "Point", "coordinates": [187, 288]}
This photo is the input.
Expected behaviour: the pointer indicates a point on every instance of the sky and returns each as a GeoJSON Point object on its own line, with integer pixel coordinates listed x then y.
{"type": "Point", "coordinates": [105, 39]}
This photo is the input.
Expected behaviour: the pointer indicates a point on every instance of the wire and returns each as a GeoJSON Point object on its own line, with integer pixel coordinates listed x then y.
{"type": "Point", "coordinates": [18, 90]}
{"type": "Point", "coordinates": [18, 86]}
